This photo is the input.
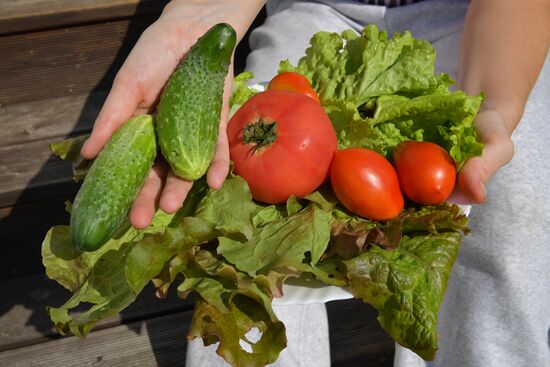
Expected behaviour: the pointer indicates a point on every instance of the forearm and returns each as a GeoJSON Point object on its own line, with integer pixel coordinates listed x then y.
{"type": "Point", "coordinates": [238, 13]}
{"type": "Point", "coordinates": [504, 45]}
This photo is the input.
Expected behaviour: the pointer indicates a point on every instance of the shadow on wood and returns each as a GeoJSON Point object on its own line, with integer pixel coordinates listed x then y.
{"type": "Point", "coordinates": [30, 213]}
{"type": "Point", "coordinates": [27, 212]}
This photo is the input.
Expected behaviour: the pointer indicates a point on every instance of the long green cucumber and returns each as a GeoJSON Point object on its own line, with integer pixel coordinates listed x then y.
{"type": "Point", "coordinates": [188, 114]}
{"type": "Point", "coordinates": [112, 183]}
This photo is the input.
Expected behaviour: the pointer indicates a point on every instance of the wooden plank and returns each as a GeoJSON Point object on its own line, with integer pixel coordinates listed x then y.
{"type": "Point", "coordinates": [77, 60]}
{"type": "Point", "coordinates": [26, 165]}
{"type": "Point", "coordinates": [30, 172]}
{"type": "Point", "coordinates": [70, 61]}
{"type": "Point", "coordinates": [356, 337]}
{"type": "Point", "coordinates": [30, 15]}
{"type": "Point", "coordinates": [159, 341]}
{"type": "Point", "coordinates": [50, 119]}
{"type": "Point", "coordinates": [23, 320]}
{"type": "Point", "coordinates": [22, 229]}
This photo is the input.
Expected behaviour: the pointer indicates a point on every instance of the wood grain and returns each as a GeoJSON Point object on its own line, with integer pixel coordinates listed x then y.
{"type": "Point", "coordinates": [31, 15]}
{"type": "Point", "coordinates": [22, 230]}
{"type": "Point", "coordinates": [356, 337]}
{"type": "Point", "coordinates": [68, 61]}
{"type": "Point", "coordinates": [355, 340]}
{"type": "Point", "coordinates": [159, 341]}
{"type": "Point", "coordinates": [76, 60]}
{"type": "Point", "coordinates": [29, 172]}
{"type": "Point", "coordinates": [23, 320]}
{"type": "Point", "coordinates": [49, 119]}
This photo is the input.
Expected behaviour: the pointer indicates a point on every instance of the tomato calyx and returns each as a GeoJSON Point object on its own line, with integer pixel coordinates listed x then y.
{"type": "Point", "coordinates": [260, 134]}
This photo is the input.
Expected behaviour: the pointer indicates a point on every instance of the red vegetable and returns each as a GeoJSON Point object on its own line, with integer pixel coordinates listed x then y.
{"type": "Point", "coordinates": [282, 144]}
{"type": "Point", "coordinates": [366, 184]}
{"type": "Point", "coordinates": [293, 82]}
{"type": "Point", "coordinates": [426, 171]}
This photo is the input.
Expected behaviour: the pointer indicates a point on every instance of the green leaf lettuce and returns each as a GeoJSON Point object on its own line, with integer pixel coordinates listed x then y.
{"type": "Point", "coordinates": [379, 91]}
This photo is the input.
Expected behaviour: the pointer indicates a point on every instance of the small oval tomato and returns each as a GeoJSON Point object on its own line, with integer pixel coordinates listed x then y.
{"type": "Point", "coordinates": [366, 183]}
{"type": "Point", "coordinates": [293, 82]}
{"type": "Point", "coordinates": [426, 171]}
{"type": "Point", "coordinates": [282, 144]}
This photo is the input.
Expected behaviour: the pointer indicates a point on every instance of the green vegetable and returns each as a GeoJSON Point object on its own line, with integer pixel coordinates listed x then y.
{"type": "Point", "coordinates": [235, 253]}
{"type": "Point", "coordinates": [70, 150]}
{"type": "Point", "coordinates": [310, 235]}
{"type": "Point", "coordinates": [406, 286]}
{"type": "Point", "coordinates": [101, 206]}
{"type": "Point", "coordinates": [379, 91]}
{"type": "Point", "coordinates": [190, 106]}
{"type": "Point", "coordinates": [107, 280]}
{"type": "Point", "coordinates": [241, 92]}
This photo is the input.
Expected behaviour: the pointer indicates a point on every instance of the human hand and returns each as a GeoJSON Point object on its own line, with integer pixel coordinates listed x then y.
{"type": "Point", "coordinates": [497, 152]}
{"type": "Point", "coordinates": [139, 82]}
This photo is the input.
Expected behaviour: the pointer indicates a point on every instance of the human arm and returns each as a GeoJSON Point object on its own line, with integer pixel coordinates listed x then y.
{"type": "Point", "coordinates": [140, 80]}
{"type": "Point", "coordinates": [504, 45]}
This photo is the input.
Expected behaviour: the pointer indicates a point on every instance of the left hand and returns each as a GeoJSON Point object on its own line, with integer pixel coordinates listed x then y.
{"type": "Point", "coordinates": [498, 151]}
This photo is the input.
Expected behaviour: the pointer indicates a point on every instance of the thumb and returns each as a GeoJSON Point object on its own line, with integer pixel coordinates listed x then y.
{"type": "Point", "coordinates": [120, 105]}
{"type": "Point", "coordinates": [498, 151]}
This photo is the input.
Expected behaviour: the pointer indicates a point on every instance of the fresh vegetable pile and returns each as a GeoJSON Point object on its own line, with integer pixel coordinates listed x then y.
{"type": "Point", "coordinates": [326, 181]}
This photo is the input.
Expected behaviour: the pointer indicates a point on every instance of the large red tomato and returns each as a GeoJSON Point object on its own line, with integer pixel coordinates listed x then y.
{"type": "Point", "coordinates": [426, 171]}
{"type": "Point", "coordinates": [282, 144]}
{"type": "Point", "coordinates": [366, 184]}
{"type": "Point", "coordinates": [293, 82]}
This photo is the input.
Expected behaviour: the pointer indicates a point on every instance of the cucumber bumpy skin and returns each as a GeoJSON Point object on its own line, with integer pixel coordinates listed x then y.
{"type": "Point", "coordinates": [102, 204]}
{"type": "Point", "coordinates": [188, 114]}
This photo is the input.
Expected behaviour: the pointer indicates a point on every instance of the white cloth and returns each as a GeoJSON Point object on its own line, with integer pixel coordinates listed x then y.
{"type": "Point", "coordinates": [497, 308]}
{"type": "Point", "coordinates": [306, 333]}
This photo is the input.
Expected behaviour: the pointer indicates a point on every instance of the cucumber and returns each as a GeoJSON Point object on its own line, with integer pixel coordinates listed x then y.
{"type": "Point", "coordinates": [188, 113]}
{"type": "Point", "coordinates": [102, 204]}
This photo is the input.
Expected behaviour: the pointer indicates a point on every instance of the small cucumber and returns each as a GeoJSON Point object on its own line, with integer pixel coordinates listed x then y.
{"type": "Point", "coordinates": [188, 114]}
{"type": "Point", "coordinates": [112, 183]}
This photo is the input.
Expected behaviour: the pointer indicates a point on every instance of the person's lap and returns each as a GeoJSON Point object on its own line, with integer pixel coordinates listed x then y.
{"type": "Point", "coordinates": [496, 310]}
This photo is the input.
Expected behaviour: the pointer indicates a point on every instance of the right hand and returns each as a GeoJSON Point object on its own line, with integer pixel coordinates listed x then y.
{"type": "Point", "coordinates": [139, 82]}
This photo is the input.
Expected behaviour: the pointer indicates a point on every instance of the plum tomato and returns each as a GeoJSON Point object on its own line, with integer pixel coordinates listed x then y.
{"type": "Point", "coordinates": [282, 144]}
{"type": "Point", "coordinates": [426, 171]}
{"type": "Point", "coordinates": [293, 82]}
{"type": "Point", "coordinates": [366, 183]}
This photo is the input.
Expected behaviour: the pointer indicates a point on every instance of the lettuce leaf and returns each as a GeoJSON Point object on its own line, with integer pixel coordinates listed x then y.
{"type": "Point", "coordinates": [241, 92]}
{"type": "Point", "coordinates": [379, 91]}
{"type": "Point", "coordinates": [69, 150]}
{"type": "Point", "coordinates": [295, 241]}
{"type": "Point", "coordinates": [355, 68]}
{"type": "Point", "coordinates": [247, 311]}
{"type": "Point", "coordinates": [406, 286]}
{"type": "Point", "coordinates": [228, 306]}
{"type": "Point", "coordinates": [235, 253]}
{"type": "Point", "coordinates": [108, 279]}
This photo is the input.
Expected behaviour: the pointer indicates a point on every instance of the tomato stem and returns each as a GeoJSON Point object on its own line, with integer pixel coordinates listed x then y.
{"type": "Point", "coordinates": [260, 133]}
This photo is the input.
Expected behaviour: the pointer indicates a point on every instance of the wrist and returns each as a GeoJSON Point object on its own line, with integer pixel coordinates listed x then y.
{"type": "Point", "coordinates": [197, 16]}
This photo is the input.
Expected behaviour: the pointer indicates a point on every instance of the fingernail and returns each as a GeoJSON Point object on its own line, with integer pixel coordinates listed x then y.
{"type": "Point", "coordinates": [484, 192]}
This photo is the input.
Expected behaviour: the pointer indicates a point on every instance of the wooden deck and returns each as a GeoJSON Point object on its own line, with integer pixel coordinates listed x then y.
{"type": "Point", "coordinates": [58, 60]}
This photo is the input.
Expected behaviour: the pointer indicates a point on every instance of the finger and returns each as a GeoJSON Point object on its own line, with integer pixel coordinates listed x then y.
{"type": "Point", "coordinates": [120, 105]}
{"type": "Point", "coordinates": [174, 193]}
{"type": "Point", "coordinates": [498, 151]}
{"type": "Point", "coordinates": [145, 205]}
{"type": "Point", "coordinates": [219, 167]}
{"type": "Point", "coordinates": [471, 182]}
{"type": "Point", "coordinates": [458, 197]}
